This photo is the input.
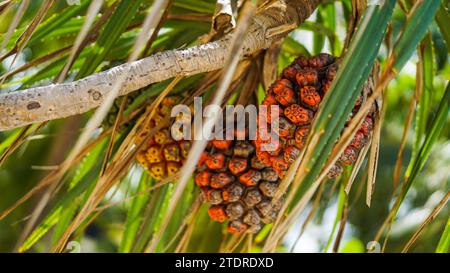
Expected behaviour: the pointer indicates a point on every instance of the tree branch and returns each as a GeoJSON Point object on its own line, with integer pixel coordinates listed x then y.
{"type": "Point", "coordinates": [62, 100]}
{"type": "Point", "coordinates": [223, 20]}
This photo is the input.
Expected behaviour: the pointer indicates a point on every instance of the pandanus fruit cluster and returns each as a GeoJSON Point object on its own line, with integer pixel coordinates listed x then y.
{"type": "Point", "coordinates": [239, 178]}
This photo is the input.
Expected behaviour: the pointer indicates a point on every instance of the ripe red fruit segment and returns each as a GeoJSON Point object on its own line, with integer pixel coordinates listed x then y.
{"type": "Point", "coordinates": [298, 114]}
{"type": "Point", "coordinates": [222, 144]}
{"type": "Point", "coordinates": [217, 213]}
{"type": "Point", "coordinates": [250, 178]}
{"type": "Point", "coordinates": [215, 161]}
{"type": "Point", "coordinates": [367, 125]}
{"type": "Point", "coordinates": [237, 165]}
{"type": "Point", "coordinates": [282, 86]}
{"type": "Point", "coordinates": [236, 227]}
{"type": "Point", "coordinates": [300, 136]}
{"type": "Point", "coordinates": [310, 97]}
{"type": "Point", "coordinates": [220, 180]}
{"type": "Point", "coordinates": [349, 156]}
{"type": "Point", "coordinates": [306, 77]}
{"type": "Point", "coordinates": [202, 179]}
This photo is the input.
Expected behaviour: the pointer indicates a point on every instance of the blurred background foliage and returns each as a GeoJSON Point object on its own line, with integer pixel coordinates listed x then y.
{"type": "Point", "coordinates": [128, 225]}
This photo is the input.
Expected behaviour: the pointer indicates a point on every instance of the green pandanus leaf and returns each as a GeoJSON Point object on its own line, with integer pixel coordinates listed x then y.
{"type": "Point", "coordinates": [424, 101]}
{"type": "Point", "coordinates": [443, 21]}
{"type": "Point", "coordinates": [444, 242]}
{"type": "Point", "coordinates": [416, 26]}
{"type": "Point", "coordinates": [64, 207]}
{"type": "Point", "coordinates": [116, 25]}
{"type": "Point", "coordinates": [431, 137]}
{"type": "Point", "coordinates": [353, 73]}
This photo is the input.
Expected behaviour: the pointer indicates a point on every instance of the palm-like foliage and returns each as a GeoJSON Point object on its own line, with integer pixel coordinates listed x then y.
{"type": "Point", "coordinates": [103, 197]}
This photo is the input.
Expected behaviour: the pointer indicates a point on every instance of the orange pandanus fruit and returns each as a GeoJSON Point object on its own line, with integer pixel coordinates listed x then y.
{"type": "Point", "coordinates": [239, 178]}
